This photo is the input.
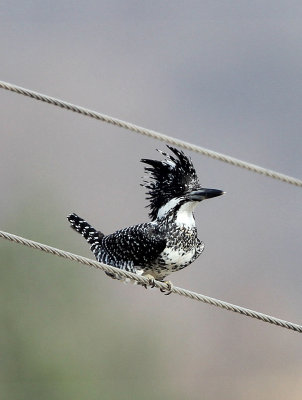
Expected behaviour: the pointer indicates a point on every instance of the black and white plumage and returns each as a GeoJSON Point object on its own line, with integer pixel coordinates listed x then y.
{"type": "Point", "coordinates": [168, 242]}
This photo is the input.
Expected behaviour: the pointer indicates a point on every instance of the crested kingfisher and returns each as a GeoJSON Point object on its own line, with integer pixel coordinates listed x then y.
{"type": "Point", "coordinates": [167, 243]}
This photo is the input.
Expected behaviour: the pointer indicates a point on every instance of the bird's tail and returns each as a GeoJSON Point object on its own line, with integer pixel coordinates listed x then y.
{"type": "Point", "coordinates": [92, 236]}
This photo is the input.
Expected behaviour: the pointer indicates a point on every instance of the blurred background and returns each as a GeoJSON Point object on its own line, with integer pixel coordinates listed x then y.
{"type": "Point", "coordinates": [223, 75]}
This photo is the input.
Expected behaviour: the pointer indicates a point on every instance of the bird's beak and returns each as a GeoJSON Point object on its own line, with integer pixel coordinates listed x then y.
{"type": "Point", "coordinates": [202, 194]}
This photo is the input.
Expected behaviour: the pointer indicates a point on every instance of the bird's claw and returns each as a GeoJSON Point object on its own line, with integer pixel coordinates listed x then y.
{"type": "Point", "coordinates": [151, 281]}
{"type": "Point", "coordinates": [169, 288]}
{"type": "Point", "coordinates": [113, 276]}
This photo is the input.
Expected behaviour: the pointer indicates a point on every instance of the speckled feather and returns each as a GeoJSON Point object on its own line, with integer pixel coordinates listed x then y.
{"type": "Point", "coordinates": [145, 248]}
{"type": "Point", "coordinates": [166, 244]}
{"type": "Point", "coordinates": [170, 178]}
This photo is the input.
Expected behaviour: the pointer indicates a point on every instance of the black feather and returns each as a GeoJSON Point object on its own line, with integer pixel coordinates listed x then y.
{"type": "Point", "coordinates": [170, 178]}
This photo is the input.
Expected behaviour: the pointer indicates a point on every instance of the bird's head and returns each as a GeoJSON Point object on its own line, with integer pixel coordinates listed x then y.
{"type": "Point", "coordinates": [173, 185]}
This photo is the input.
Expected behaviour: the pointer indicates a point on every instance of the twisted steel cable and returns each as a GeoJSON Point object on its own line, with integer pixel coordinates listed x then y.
{"type": "Point", "coordinates": [151, 133]}
{"type": "Point", "coordinates": [160, 285]}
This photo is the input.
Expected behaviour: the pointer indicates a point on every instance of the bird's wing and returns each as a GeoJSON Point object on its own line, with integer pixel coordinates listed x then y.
{"type": "Point", "coordinates": [137, 246]}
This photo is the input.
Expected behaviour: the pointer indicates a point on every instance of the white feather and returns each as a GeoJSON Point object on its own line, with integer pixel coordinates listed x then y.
{"type": "Point", "coordinates": [184, 214]}
{"type": "Point", "coordinates": [167, 207]}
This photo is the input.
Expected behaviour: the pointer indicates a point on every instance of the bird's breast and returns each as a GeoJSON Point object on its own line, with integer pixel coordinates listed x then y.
{"type": "Point", "coordinates": [177, 258]}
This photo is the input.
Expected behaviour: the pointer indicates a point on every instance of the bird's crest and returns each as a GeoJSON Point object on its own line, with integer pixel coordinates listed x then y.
{"type": "Point", "coordinates": [170, 178]}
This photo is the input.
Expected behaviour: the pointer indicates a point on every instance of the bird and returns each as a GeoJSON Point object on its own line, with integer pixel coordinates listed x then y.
{"type": "Point", "coordinates": [169, 241]}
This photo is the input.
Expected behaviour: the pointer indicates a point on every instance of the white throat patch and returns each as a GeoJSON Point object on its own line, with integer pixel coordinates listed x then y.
{"type": "Point", "coordinates": [184, 214]}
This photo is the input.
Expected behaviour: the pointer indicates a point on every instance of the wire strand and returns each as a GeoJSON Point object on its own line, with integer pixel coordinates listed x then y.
{"type": "Point", "coordinates": [160, 285]}
{"type": "Point", "coordinates": [151, 133]}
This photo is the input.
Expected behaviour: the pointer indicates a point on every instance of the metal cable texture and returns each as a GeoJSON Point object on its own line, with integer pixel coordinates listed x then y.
{"type": "Point", "coordinates": [148, 132]}
{"type": "Point", "coordinates": [124, 274]}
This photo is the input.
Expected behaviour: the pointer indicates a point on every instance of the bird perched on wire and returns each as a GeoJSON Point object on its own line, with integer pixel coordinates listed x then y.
{"type": "Point", "coordinates": [167, 243]}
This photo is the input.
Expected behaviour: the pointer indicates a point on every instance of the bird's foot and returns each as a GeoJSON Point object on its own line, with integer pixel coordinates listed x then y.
{"type": "Point", "coordinates": [169, 288]}
{"type": "Point", "coordinates": [151, 281]}
{"type": "Point", "coordinates": [113, 276]}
